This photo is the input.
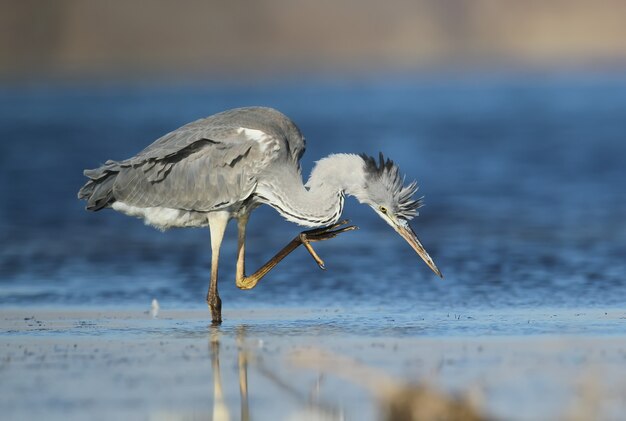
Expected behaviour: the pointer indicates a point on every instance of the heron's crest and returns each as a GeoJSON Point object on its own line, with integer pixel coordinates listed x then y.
{"type": "Point", "coordinates": [386, 187]}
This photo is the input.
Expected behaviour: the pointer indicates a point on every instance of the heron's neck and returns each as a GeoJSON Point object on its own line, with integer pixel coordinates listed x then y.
{"type": "Point", "coordinates": [320, 201]}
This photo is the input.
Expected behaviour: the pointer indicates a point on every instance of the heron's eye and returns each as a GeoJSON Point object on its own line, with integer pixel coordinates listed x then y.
{"type": "Point", "coordinates": [383, 210]}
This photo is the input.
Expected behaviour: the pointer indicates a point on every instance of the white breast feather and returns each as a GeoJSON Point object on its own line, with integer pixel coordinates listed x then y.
{"type": "Point", "coordinates": [163, 218]}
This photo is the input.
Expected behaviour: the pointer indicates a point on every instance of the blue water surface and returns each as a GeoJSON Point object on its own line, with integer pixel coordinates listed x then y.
{"type": "Point", "coordinates": [523, 180]}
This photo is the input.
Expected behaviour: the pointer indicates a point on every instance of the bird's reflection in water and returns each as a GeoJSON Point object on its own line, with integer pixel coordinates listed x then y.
{"type": "Point", "coordinates": [242, 356]}
{"type": "Point", "coordinates": [309, 404]}
{"type": "Point", "coordinates": [220, 410]}
{"type": "Point", "coordinates": [396, 399]}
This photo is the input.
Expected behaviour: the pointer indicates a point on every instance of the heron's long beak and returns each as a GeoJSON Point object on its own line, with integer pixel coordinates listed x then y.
{"type": "Point", "coordinates": [409, 235]}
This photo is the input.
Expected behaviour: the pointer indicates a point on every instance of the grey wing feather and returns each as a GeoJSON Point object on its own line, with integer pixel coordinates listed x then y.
{"type": "Point", "coordinates": [209, 175]}
{"type": "Point", "coordinates": [220, 126]}
{"type": "Point", "coordinates": [204, 165]}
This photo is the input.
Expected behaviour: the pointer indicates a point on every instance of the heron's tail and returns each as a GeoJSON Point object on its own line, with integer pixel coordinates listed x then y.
{"type": "Point", "coordinates": [98, 191]}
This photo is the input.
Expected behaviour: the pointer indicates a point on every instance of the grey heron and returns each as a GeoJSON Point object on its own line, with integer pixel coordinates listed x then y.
{"type": "Point", "coordinates": [222, 167]}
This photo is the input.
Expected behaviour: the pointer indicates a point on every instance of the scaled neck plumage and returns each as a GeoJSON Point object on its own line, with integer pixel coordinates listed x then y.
{"type": "Point", "coordinates": [319, 202]}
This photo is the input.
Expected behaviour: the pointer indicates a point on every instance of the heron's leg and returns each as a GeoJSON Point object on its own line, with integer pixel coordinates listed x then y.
{"type": "Point", "coordinates": [242, 223]}
{"type": "Point", "coordinates": [217, 225]}
{"type": "Point", "coordinates": [305, 238]}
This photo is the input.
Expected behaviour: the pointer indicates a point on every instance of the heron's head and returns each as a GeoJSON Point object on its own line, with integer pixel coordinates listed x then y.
{"type": "Point", "coordinates": [385, 192]}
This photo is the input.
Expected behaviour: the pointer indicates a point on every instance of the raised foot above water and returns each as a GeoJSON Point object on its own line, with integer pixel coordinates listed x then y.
{"type": "Point", "coordinates": [305, 238]}
{"type": "Point", "coordinates": [322, 234]}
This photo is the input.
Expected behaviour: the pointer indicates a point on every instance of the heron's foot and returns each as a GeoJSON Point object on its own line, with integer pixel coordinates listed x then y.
{"type": "Point", "coordinates": [215, 305]}
{"type": "Point", "coordinates": [246, 283]}
{"type": "Point", "coordinates": [321, 234]}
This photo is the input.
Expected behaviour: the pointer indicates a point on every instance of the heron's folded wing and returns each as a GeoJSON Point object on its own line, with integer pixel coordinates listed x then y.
{"type": "Point", "coordinates": [255, 122]}
{"type": "Point", "coordinates": [196, 168]}
{"type": "Point", "coordinates": [175, 141]}
{"type": "Point", "coordinates": [203, 165]}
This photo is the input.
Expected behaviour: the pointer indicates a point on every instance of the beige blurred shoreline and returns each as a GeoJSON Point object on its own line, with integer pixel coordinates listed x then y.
{"type": "Point", "coordinates": [165, 39]}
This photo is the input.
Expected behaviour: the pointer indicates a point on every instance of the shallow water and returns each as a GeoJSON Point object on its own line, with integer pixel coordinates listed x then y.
{"type": "Point", "coordinates": [301, 364]}
{"type": "Point", "coordinates": [523, 179]}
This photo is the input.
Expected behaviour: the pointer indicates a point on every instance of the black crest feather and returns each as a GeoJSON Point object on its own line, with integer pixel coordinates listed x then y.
{"type": "Point", "coordinates": [388, 173]}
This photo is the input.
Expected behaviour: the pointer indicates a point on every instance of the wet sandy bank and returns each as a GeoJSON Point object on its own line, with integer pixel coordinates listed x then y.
{"type": "Point", "coordinates": [77, 363]}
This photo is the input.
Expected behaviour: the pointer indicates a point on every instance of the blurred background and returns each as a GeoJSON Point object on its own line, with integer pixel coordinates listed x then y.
{"type": "Point", "coordinates": [510, 114]}
{"type": "Point", "coordinates": [163, 39]}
